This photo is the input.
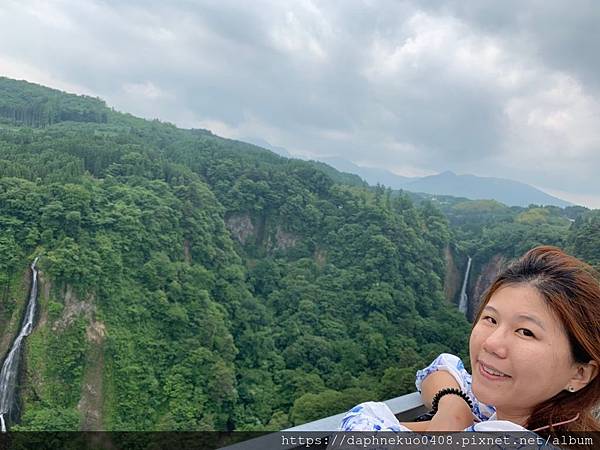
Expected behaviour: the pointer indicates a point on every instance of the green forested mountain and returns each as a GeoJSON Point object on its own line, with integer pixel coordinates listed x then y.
{"type": "Point", "coordinates": [193, 282]}
{"type": "Point", "coordinates": [493, 234]}
{"type": "Point", "coordinates": [31, 105]}
{"type": "Point", "coordinates": [484, 228]}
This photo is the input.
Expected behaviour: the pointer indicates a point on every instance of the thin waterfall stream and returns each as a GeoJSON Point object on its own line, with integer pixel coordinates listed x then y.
{"type": "Point", "coordinates": [463, 304]}
{"type": "Point", "coordinates": [10, 368]}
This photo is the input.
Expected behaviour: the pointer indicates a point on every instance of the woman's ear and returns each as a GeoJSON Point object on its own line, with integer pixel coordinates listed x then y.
{"type": "Point", "coordinates": [585, 374]}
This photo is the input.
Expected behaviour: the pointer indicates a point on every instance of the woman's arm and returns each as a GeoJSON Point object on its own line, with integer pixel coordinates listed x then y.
{"type": "Point", "coordinates": [453, 412]}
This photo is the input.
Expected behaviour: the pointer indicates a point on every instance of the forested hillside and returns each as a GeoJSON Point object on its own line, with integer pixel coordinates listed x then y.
{"type": "Point", "coordinates": [29, 105]}
{"type": "Point", "coordinates": [192, 282]}
{"type": "Point", "coordinates": [493, 234]}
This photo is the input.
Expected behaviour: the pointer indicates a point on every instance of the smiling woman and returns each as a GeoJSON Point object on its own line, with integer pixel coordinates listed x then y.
{"type": "Point", "coordinates": [516, 340]}
{"type": "Point", "coordinates": [535, 344]}
{"type": "Point", "coordinates": [535, 354]}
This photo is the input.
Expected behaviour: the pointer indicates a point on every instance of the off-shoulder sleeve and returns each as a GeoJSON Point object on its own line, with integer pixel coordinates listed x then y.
{"type": "Point", "coordinates": [455, 367]}
{"type": "Point", "coordinates": [371, 416]}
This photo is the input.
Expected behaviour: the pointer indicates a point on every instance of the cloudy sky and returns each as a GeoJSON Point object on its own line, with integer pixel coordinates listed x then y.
{"type": "Point", "coordinates": [494, 88]}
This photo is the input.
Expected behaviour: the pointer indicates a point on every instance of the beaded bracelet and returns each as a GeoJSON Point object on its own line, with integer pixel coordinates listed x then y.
{"type": "Point", "coordinates": [436, 399]}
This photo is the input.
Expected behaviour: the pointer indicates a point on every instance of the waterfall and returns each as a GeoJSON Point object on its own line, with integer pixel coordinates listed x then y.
{"type": "Point", "coordinates": [463, 304]}
{"type": "Point", "coordinates": [10, 368]}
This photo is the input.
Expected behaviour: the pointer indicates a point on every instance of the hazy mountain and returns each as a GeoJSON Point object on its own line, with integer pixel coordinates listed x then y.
{"type": "Point", "coordinates": [370, 174]}
{"type": "Point", "coordinates": [509, 192]}
{"type": "Point", "coordinates": [264, 144]}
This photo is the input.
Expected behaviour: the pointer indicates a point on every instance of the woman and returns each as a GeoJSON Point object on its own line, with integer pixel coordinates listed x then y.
{"type": "Point", "coordinates": [535, 354]}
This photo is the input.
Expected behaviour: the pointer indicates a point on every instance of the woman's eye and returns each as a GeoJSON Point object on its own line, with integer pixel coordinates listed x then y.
{"type": "Point", "coordinates": [489, 319]}
{"type": "Point", "coordinates": [526, 332]}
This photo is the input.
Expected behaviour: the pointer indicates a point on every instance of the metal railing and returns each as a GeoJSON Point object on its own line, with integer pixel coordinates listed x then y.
{"type": "Point", "coordinates": [406, 408]}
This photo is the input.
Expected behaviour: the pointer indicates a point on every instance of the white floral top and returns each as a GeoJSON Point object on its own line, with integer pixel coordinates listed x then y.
{"type": "Point", "coordinates": [376, 416]}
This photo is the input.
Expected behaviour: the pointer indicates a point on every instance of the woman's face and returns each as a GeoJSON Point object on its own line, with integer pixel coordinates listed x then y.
{"type": "Point", "coordinates": [520, 353]}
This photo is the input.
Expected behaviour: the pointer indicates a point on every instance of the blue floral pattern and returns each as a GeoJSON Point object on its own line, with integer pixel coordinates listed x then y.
{"type": "Point", "coordinates": [371, 416]}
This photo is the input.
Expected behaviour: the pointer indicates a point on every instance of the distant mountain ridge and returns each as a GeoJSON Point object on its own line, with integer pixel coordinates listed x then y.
{"type": "Point", "coordinates": [371, 175]}
{"type": "Point", "coordinates": [509, 192]}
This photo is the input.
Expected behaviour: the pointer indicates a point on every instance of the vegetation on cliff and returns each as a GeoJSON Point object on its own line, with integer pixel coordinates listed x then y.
{"type": "Point", "coordinates": [233, 288]}
{"type": "Point", "coordinates": [333, 293]}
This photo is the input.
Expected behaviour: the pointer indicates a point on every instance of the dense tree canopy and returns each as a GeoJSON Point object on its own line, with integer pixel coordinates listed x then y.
{"type": "Point", "coordinates": [237, 289]}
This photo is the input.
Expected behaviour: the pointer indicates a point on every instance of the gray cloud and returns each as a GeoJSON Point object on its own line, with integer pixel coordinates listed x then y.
{"type": "Point", "coordinates": [562, 34]}
{"type": "Point", "coordinates": [491, 88]}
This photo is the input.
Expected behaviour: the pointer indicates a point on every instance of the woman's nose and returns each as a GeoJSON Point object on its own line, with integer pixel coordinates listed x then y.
{"type": "Point", "coordinates": [495, 343]}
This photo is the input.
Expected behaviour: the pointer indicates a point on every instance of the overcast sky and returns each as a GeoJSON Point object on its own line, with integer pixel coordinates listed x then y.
{"type": "Point", "coordinates": [493, 88]}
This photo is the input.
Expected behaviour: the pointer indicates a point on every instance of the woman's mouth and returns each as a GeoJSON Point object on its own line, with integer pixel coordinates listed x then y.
{"type": "Point", "coordinates": [491, 373]}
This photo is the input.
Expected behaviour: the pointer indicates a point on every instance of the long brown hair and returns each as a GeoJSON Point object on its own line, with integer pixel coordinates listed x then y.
{"type": "Point", "coordinates": [571, 288]}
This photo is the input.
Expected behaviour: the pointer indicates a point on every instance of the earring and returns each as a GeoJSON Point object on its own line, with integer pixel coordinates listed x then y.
{"type": "Point", "coordinates": [571, 389]}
